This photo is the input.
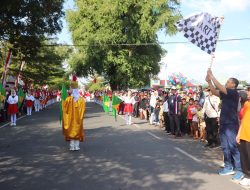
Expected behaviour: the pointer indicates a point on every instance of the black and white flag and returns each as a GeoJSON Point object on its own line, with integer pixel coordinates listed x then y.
{"type": "Point", "coordinates": [202, 30]}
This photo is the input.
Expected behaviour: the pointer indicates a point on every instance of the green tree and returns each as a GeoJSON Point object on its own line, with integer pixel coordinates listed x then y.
{"type": "Point", "coordinates": [26, 24]}
{"type": "Point", "coordinates": [98, 84]}
{"type": "Point", "coordinates": [99, 25]}
{"type": "Point", "coordinates": [45, 68]}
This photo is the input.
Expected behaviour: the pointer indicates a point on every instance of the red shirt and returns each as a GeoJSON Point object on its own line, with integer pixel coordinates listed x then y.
{"type": "Point", "coordinates": [189, 111]}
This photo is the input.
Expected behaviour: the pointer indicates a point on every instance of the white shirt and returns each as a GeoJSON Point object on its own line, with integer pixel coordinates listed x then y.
{"type": "Point", "coordinates": [29, 97]}
{"type": "Point", "coordinates": [208, 109]}
{"type": "Point", "coordinates": [75, 94]}
{"type": "Point", "coordinates": [165, 106]}
{"type": "Point", "coordinates": [152, 100]}
{"type": "Point", "coordinates": [129, 100]}
{"type": "Point", "coordinates": [12, 100]}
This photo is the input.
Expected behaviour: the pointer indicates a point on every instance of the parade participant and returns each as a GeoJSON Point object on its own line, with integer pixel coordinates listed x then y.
{"type": "Point", "coordinates": [229, 124]}
{"type": "Point", "coordinates": [128, 108]}
{"type": "Point", "coordinates": [37, 101]}
{"type": "Point", "coordinates": [243, 139]}
{"type": "Point", "coordinates": [12, 107]}
{"type": "Point", "coordinates": [58, 96]}
{"type": "Point", "coordinates": [87, 96]}
{"type": "Point", "coordinates": [29, 99]}
{"type": "Point", "coordinates": [73, 113]}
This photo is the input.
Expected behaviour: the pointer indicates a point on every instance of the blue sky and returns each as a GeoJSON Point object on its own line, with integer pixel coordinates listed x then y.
{"type": "Point", "coordinates": [232, 59]}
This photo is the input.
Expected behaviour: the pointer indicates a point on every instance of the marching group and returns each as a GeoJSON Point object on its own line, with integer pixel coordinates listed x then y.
{"type": "Point", "coordinates": [26, 102]}
{"type": "Point", "coordinates": [218, 115]}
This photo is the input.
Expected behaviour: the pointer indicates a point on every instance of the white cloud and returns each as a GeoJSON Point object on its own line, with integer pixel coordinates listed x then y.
{"type": "Point", "coordinates": [217, 7]}
{"type": "Point", "coordinates": [193, 63]}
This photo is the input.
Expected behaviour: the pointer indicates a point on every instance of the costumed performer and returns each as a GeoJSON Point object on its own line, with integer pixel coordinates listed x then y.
{"type": "Point", "coordinates": [73, 113]}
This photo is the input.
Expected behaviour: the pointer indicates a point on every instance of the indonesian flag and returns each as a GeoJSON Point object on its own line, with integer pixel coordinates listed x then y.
{"type": "Point", "coordinates": [6, 66]}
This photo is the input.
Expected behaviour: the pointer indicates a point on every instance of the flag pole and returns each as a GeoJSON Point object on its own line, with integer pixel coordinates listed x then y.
{"type": "Point", "coordinates": [212, 55]}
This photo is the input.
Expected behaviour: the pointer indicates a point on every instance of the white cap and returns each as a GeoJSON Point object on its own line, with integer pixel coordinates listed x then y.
{"type": "Point", "coordinates": [173, 88]}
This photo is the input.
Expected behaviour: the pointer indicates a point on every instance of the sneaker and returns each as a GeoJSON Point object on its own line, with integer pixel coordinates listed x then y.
{"type": "Point", "coordinates": [11, 124]}
{"type": "Point", "coordinates": [238, 176]}
{"type": "Point", "coordinates": [245, 182]}
{"type": "Point", "coordinates": [226, 171]}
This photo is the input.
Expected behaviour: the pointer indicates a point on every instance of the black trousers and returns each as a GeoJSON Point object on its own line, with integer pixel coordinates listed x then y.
{"type": "Point", "coordinates": [175, 124]}
{"type": "Point", "coordinates": [245, 157]}
{"type": "Point", "coordinates": [166, 121]}
{"type": "Point", "coordinates": [184, 126]}
{"type": "Point", "coordinates": [212, 130]}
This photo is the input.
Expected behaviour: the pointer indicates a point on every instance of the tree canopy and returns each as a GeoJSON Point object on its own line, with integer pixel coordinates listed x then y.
{"type": "Point", "coordinates": [27, 27]}
{"type": "Point", "coordinates": [26, 24]}
{"type": "Point", "coordinates": [110, 33]}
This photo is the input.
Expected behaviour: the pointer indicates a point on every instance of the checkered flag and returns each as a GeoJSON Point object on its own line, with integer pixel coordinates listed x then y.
{"type": "Point", "coordinates": [202, 30]}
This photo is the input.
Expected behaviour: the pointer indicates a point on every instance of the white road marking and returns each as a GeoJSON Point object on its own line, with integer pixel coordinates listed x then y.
{"type": "Point", "coordinates": [6, 124]}
{"type": "Point", "coordinates": [187, 154]}
{"type": "Point", "coordinates": [153, 135]}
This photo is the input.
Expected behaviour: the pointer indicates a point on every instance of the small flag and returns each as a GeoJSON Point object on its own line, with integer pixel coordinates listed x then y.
{"type": "Point", "coordinates": [202, 30]}
{"type": "Point", "coordinates": [64, 95]}
{"type": "Point", "coordinates": [2, 93]}
{"type": "Point", "coordinates": [106, 102]}
{"type": "Point", "coordinates": [21, 96]}
{"type": "Point", "coordinates": [115, 104]}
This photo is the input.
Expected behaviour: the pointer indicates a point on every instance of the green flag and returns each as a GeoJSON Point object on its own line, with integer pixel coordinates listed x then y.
{"type": "Point", "coordinates": [106, 102]}
{"type": "Point", "coordinates": [64, 95]}
{"type": "Point", "coordinates": [115, 104]}
{"type": "Point", "coordinates": [21, 96]}
{"type": "Point", "coordinates": [2, 93]}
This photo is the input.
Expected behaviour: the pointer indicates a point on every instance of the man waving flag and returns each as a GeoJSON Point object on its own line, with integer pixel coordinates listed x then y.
{"type": "Point", "coordinates": [202, 30]}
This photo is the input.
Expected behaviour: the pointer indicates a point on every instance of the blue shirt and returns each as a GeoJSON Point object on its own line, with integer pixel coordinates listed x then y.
{"type": "Point", "coordinates": [229, 107]}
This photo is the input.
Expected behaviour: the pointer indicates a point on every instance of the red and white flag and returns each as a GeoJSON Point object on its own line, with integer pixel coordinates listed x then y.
{"type": "Point", "coordinates": [6, 66]}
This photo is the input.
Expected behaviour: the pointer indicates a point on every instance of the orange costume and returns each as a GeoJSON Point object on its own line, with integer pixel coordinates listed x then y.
{"type": "Point", "coordinates": [73, 108]}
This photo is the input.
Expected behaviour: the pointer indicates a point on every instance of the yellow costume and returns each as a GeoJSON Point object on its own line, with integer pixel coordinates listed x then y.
{"type": "Point", "coordinates": [73, 113]}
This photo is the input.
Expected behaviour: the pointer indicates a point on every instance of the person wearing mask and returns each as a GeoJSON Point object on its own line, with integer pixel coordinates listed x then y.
{"type": "Point", "coordinates": [229, 124]}
{"type": "Point", "coordinates": [12, 107]}
{"type": "Point", "coordinates": [73, 114]}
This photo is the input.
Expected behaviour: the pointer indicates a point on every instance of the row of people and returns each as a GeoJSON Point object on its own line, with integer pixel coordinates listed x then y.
{"type": "Point", "coordinates": [38, 100]}
{"type": "Point", "coordinates": [211, 116]}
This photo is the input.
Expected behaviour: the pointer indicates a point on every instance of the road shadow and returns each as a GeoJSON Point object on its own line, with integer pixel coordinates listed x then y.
{"type": "Point", "coordinates": [34, 156]}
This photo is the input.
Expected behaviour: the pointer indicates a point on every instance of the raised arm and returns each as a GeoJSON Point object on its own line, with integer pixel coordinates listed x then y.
{"type": "Point", "coordinates": [217, 84]}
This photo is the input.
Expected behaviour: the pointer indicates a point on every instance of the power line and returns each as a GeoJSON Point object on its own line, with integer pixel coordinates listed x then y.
{"type": "Point", "coordinates": [144, 44]}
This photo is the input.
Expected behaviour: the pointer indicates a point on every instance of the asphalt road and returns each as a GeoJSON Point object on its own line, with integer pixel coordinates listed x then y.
{"type": "Point", "coordinates": [34, 156]}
